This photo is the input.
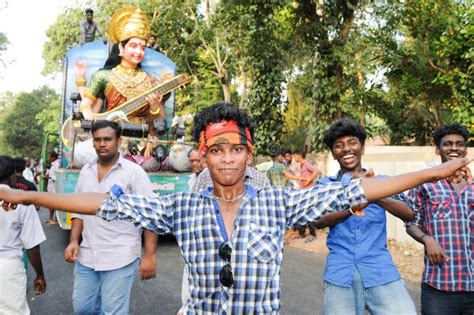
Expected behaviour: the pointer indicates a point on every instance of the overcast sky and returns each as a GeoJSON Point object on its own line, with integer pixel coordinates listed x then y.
{"type": "Point", "coordinates": [25, 23]}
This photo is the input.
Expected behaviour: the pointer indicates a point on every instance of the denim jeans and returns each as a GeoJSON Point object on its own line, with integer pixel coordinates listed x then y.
{"type": "Point", "coordinates": [103, 292]}
{"type": "Point", "coordinates": [387, 299]}
{"type": "Point", "coordinates": [434, 301]}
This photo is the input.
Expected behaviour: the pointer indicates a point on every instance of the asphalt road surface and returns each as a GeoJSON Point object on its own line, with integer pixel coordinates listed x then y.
{"type": "Point", "coordinates": [301, 284]}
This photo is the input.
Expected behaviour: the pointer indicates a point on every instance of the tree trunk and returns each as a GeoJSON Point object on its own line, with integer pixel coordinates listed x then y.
{"type": "Point", "coordinates": [361, 85]}
{"type": "Point", "coordinates": [244, 85]}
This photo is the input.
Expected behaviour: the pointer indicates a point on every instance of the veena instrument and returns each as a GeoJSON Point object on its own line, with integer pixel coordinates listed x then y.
{"type": "Point", "coordinates": [71, 126]}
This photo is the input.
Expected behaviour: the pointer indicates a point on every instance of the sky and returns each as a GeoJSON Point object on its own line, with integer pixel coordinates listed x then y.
{"type": "Point", "coordinates": [25, 23]}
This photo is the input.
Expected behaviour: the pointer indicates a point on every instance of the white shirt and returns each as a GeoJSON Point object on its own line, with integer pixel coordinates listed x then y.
{"type": "Point", "coordinates": [111, 245]}
{"type": "Point", "coordinates": [28, 175]}
{"type": "Point", "coordinates": [19, 229]}
{"type": "Point", "coordinates": [52, 175]}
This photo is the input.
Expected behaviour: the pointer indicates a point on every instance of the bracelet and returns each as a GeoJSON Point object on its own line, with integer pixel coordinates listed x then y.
{"type": "Point", "coordinates": [351, 211]}
{"type": "Point", "coordinates": [422, 237]}
{"type": "Point", "coordinates": [156, 112]}
{"type": "Point", "coordinates": [81, 81]}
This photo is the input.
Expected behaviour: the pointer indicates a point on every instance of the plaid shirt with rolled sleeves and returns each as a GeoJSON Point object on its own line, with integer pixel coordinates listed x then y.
{"type": "Point", "coordinates": [257, 239]}
{"type": "Point", "coordinates": [447, 216]}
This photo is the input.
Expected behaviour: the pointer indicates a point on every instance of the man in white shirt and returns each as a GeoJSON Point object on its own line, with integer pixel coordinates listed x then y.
{"type": "Point", "coordinates": [197, 165]}
{"type": "Point", "coordinates": [27, 172]}
{"type": "Point", "coordinates": [19, 230]}
{"type": "Point", "coordinates": [108, 258]}
{"type": "Point", "coordinates": [51, 177]}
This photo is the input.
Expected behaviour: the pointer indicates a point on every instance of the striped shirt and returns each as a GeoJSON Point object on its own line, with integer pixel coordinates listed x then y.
{"type": "Point", "coordinates": [447, 216]}
{"type": "Point", "coordinates": [276, 176]}
{"type": "Point", "coordinates": [257, 239]}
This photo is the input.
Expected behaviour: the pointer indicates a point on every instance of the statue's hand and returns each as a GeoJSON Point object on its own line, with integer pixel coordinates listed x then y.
{"type": "Point", "coordinates": [80, 68]}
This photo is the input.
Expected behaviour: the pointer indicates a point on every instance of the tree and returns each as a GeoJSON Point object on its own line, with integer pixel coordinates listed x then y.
{"type": "Point", "coordinates": [3, 47]}
{"type": "Point", "coordinates": [22, 132]}
{"type": "Point", "coordinates": [429, 67]}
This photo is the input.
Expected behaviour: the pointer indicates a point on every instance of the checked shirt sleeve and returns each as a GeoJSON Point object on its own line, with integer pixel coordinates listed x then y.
{"type": "Point", "coordinates": [416, 200]}
{"type": "Point", "coordinates": [304, 206]}
{"type": "Point", "coordinates": [151, 213]}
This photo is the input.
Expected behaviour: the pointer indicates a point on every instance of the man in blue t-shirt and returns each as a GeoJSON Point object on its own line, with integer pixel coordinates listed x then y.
{"type": "Point", "coordinates": [360, 274]}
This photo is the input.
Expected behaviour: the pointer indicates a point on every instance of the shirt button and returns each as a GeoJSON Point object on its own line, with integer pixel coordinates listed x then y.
{"type": "Point", "coordinates": [253, 226]}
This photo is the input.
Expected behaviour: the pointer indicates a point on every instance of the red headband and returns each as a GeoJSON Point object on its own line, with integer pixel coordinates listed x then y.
{"type": "Point", "coordinates": [225, 131]}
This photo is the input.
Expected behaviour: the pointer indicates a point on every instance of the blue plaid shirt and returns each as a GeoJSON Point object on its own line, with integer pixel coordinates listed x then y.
{"type": "Point", "coordinates": [257, 239]}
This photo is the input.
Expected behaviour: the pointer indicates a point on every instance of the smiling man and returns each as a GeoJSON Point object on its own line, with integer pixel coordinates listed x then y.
{"type": "Point", "coordinates": [360, 274]}
{"type": "Point", "coordinates": [231, 235]}
{"type": "Point", "coordinates": [444, 219]}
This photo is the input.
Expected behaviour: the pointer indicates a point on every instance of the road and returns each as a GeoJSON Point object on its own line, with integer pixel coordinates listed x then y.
{"type": "Point", "coordinates": [301, 284]}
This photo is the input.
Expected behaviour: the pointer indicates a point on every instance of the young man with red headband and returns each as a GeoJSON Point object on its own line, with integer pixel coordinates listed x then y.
{"type": "Point", "coordinates": [231, 235]}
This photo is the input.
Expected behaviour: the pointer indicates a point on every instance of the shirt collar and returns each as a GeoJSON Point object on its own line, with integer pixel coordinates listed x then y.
{"type": "Point", "coordinates": [118, 163]}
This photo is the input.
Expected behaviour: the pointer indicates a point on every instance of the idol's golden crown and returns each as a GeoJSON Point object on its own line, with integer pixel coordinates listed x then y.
{"type": "Point", "coordinates": [127, 23]}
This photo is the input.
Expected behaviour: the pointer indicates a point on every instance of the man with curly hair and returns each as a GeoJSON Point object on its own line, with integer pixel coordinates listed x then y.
{"type": "Point", "coordinates": [359, 269]}
{"type": "Point", "coordinates": [231, 235]}
{"type": "Point", "coordinates": [444, 219]}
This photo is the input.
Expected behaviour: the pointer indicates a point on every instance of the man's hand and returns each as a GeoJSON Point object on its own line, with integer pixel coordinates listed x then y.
{"type": "Point", "coordinates": [435, 253]}
{"type": "Point", "coordinates": [454, 170]}
{"type": "Point", "coordinates": [39, 285]}
{"type": "Point", "coordinates": [71, 251]}
{"type": "Point", "coordinates": [148, 267]}
{"type": "Point", "coordinates": [359, 209]}
{"type": "Point", "coordinates": [9, 198]}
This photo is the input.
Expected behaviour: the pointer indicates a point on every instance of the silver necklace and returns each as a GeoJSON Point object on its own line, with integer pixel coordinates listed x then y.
{"type": "Point", "coordinates": [230, 200]}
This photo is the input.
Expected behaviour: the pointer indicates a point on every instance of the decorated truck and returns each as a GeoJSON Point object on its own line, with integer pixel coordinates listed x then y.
{"type": "Point", "coordinates": [166, 162]}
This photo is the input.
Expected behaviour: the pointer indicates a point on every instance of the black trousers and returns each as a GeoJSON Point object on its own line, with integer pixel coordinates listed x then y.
{"type": "Point", "coordinates": [436, 302]}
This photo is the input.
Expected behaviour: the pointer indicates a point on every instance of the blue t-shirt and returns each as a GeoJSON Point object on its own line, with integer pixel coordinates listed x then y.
{"type": "Point", "coordinates": [359, 243]}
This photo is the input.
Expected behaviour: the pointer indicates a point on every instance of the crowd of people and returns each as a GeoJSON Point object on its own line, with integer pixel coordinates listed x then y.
{"type": "Point", "coordinates": [231, 224]}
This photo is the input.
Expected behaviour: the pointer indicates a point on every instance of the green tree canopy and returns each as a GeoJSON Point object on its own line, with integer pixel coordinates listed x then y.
{"type": "Point", "coordinates": [22, 131]}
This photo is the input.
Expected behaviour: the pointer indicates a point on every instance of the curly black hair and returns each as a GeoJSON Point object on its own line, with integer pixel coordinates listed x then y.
{"type": "Point", "coordinates": [7, 167]}
{"type": "Point", "coordinates": [344, 127]}
{"type": "Point", "coordinates": [20, 164]}
{"type": "Point", "coordinates": [451, 129]}
{"type": "Point", "coordinates": [220, 111]}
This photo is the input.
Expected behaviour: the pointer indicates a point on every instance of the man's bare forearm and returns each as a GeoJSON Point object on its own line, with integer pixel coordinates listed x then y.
{"type": "Point", "coordinates": [331, 219]}
{"type": "Point", "coordinates": [34, 256]}
{"type": "Point", "coordinates": [416, 233]}
{"type": "Point", "coordinates": [398, 208]}
{"type": "Point", "coordinates": [150, 241]}
{"type": "Point", "coordinates": [379, 188]}
{"type": "Point", "coordinates": [82, 203]}
{"type": "Point", "coordinates": [77, 227]}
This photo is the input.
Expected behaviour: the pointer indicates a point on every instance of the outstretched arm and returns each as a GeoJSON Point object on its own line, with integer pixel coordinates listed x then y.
{"type": "Point", "coordinates": [379, 188]}
{"type": "Point", "coordinates": [83, 203]}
